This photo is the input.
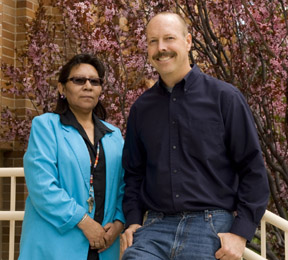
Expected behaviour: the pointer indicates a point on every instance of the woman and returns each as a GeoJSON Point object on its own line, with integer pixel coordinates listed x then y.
{"type": "Point", "coordinates": [73, 173]}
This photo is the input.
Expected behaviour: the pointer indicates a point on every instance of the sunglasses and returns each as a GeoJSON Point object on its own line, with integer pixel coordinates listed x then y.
{"type": "Point", "coordinates": [80, 81]}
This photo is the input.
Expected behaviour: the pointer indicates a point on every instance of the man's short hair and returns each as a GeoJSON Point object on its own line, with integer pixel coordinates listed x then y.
{"type": "Point", "coordinates": [179, 17]}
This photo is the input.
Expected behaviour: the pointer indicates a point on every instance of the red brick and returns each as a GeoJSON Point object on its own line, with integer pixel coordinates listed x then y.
{"type": "Point", "coordinates": [23, 12]}
{"type": "Point", "coordinates": [7, 51]}
{"type": "Point", "coordinates": [9, 3]}
{"type": "Point", "coordinates": [9, 27]}
{"type": "Point", "coordinates": [24, 4]}
{"type": "Point", "coordinates": [8, 35]}
{"type": "Point", "coordinates": [9, 18]}
{"type": "Point", "coordinates": [8, 43]}
{"type": "Point", "coordinates": [8, 60]}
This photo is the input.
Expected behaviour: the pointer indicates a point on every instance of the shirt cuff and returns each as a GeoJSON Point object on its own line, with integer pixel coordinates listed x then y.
{"type": "Point", "coordinates": [134, 217]}
{"type": "Point", "coordinates": [243, 228]}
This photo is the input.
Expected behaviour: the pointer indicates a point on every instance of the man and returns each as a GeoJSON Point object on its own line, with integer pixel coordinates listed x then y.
{"type": "Point", "coordinates": [192, 160]}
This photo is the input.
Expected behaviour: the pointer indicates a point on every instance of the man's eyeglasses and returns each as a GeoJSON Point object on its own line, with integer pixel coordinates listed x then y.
{"type": "Point", "coordinates": [81, 81]}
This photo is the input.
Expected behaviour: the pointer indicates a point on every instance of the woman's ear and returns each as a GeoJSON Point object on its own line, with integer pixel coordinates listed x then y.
{"type": "Point", "coordinates": [60, 88]}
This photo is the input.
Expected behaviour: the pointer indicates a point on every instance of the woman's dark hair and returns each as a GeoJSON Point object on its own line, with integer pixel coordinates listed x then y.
{"type": "Point", "coordinates": [62, 104]}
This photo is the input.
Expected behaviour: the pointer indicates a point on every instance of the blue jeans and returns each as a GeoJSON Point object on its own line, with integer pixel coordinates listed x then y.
{"type": "Point", "coordinates": [183, 236]}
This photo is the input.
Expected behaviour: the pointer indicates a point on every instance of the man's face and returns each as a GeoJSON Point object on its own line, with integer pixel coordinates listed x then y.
{"type": "Point", "coordinates": [168, 46]}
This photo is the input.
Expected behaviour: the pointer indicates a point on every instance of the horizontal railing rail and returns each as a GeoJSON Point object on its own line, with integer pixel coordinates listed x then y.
{"type": "Point", "coordinates": [251, 255]}
{"type": "Point", "coordinates": [14, 215]}
{"type": "Point", "coordinates": [276, 221]}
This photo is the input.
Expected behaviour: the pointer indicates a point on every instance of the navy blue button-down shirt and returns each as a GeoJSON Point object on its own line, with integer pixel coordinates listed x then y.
{"type": "Point", "coordinates": [193, 149]}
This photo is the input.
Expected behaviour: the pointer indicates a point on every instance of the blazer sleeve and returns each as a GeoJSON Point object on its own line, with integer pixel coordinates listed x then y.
{"type": "Point", "coordinates": [119, 215]}
{"type": "Point", "coordinates": [119, 211]}
{"type": "Point", "coordinates": [50, 201]}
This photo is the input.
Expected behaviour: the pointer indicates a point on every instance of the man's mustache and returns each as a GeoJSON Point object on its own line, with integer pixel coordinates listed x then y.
{"type": "Point", "coordinates": [163, 54]}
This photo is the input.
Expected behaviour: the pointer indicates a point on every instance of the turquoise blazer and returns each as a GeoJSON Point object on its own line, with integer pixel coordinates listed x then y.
{"type": "Point", "coordinates": [57, 172]}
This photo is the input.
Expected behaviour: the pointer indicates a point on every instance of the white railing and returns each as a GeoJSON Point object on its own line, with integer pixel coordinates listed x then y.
{"type": "Point", "coordinates": [13, 215]}
{"type": "Point", "coordinates": [276, 221]}
{"type": "Point", "coordinates": [251, 255]}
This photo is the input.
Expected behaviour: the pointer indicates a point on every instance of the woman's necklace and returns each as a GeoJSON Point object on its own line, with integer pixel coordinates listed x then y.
{"type": "Point", "coordinates": [91, 190]}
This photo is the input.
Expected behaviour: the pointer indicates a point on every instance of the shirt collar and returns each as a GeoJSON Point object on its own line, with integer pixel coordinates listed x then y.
{"type": "Point", "coordinates": [186, 81]}
{"type": "Point", "coordinates": [68, 118]}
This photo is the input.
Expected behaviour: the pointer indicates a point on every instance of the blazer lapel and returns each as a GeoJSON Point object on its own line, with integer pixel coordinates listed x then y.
{"type": "Point", "coordinates": [109, 149]}
{"type": "Point", "coordinates": [79, 149]}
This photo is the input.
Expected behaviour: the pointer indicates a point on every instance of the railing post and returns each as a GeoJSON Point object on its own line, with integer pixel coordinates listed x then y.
{"type": "Point", "coordinates": [286, 245]}
{"type": "Point", "coordinates": [263, 238]}
{"type": "Point", "coordinates": [12, 215]}
{"type": "Point", "coordinates": [280, 223]}
{"type": "Point", "coordinates": [12, 222]}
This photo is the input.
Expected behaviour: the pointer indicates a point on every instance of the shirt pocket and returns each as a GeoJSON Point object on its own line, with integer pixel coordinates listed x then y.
{"type": "Point", "coordinates": [203, 138]}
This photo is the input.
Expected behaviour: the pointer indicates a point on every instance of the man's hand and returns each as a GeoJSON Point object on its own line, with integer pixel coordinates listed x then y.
{"type": "Point", "coordinates": [232, 247]}
{"type": "Point", "coordinates": [127, 237]}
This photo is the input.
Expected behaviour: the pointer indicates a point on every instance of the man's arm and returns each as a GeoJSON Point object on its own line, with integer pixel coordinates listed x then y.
{"type": "Point", "coordinates": [246, 156]}
{"type": "Point", "coordinates": [134, 163]}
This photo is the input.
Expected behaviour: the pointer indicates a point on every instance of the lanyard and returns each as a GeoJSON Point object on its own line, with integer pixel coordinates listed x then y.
{"type": "Point", "coordinates": [95, 165]}
{"type": "Point", "coordinates": [91, 190]}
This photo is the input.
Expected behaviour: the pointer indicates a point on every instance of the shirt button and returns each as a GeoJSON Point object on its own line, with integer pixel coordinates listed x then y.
{"type": "Point", "coordinates": [177, 195]}
{"type": "Point", "coordinates": [175, 171]}
{"type": "Point", "coordinates": [173, 122]}
{"type": "Point", "coordinates": [174, 147]}
{"type": "Point", "coordinates": [174, 99]}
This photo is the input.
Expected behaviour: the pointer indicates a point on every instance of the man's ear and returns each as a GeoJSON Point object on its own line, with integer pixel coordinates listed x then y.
{"type": "Point", "coordinates": [189, 41]}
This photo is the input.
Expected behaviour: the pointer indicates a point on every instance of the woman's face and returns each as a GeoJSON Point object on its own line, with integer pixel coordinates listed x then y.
{"type": "Point", "coordinates": [82, 96]}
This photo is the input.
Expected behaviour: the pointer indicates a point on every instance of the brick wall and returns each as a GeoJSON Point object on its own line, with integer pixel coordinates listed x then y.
{"type": "Point", "coordinates": [7, 45]}
{"type": "Point", "coordinates": [13, 14]}
{"type": "Point", "coordinates": [7, 33]}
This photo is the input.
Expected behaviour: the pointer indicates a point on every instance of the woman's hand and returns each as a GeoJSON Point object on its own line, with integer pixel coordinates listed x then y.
{"type": "Point", "coordinates": [113, 230]}
{"type": "Point", "coordinates": [94, 232]}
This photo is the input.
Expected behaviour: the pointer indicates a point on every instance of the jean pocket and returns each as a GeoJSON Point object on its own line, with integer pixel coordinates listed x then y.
{"type": "Point", "coordinates": [220, 221]}
{"type": "Point", "coordinates": [150, 218]}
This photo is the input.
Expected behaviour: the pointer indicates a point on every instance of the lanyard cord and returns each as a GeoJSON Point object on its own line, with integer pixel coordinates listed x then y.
{"type": "Point", "coordinates": [94, 167]}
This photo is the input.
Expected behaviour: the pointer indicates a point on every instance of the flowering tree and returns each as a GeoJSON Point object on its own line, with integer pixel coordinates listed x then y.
{"type": "Point", "coordinates": [242, 42]}
{"type": "Point", "coordinates": [245, 43]}
{"type": "Point", "coordinates": [32, 78]}
{"type": "Point", "coordinates": [114, 31]}
{"type": "Point", "coordinates": [94, 27]}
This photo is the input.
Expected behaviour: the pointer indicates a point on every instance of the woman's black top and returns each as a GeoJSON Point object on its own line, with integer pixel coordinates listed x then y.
{"type": "Point", "coordinates": [99, 173]}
